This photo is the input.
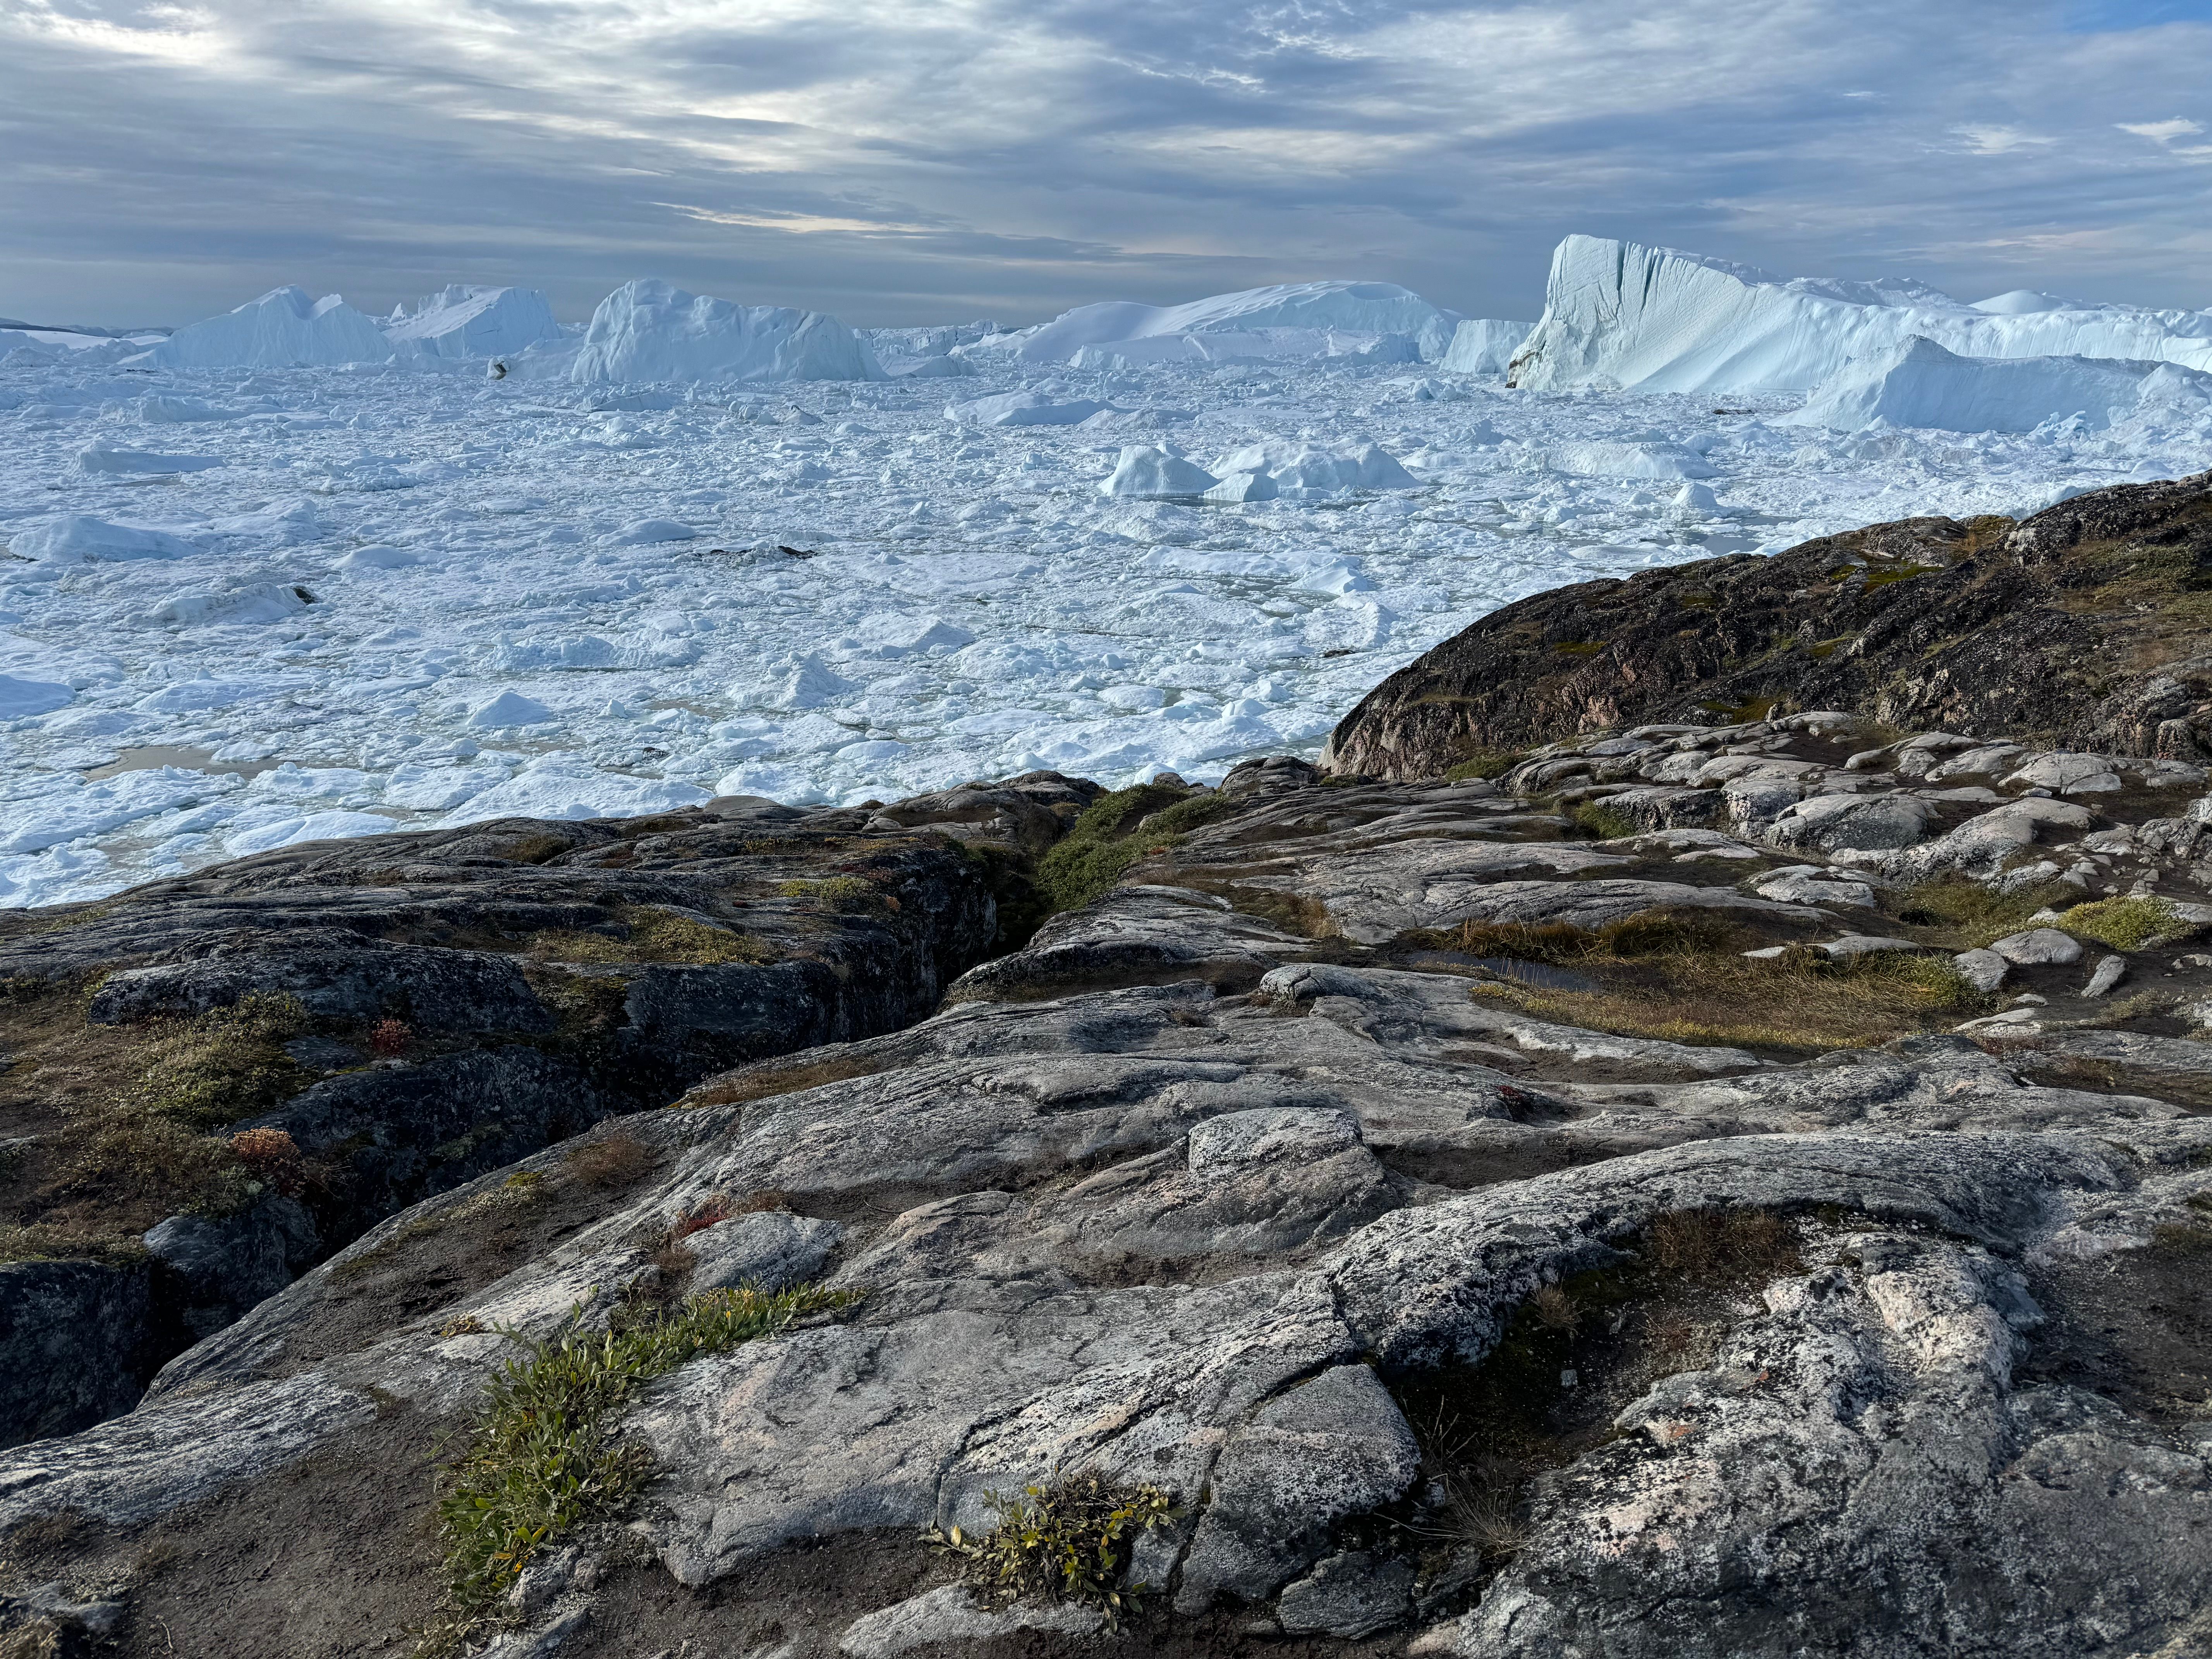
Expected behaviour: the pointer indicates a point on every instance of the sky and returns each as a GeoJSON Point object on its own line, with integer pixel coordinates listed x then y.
{"type": "Point", "coordinates": [900, 161]}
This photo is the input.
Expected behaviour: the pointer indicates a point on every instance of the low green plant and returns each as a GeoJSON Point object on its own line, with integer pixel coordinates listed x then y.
{"type": "Point", "coordinates": [1115, 831]}
{"type": "Point", "coordinates": [1069, 1539]}
{"type": "Point", "coordinates": [2125, 923]}
{"type": "Point", "coordinates": [1486, 763]}
{"type": "Point", "coordinates": [653, 934]}
{"type": "Point", "coordinates": [1605, 822]}
{"type": "Point", "coordinates": [222, 1065]}
{"type": "Point", "coordinates": [836, 890]}
{"type": "Point", "coordinates": [545, 1456]}
{"type": "Point", "coordinates": [1969, 915]}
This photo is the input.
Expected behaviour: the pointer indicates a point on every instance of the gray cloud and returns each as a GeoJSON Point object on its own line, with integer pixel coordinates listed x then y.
{"type": "Point", "coordinates": [898, 161]}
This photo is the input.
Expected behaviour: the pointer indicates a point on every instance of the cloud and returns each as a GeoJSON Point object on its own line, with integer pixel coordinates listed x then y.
{"type": "Point", "coordinates": [918, 159]}
{"type": "Point", "coordinates": [1998, 141]}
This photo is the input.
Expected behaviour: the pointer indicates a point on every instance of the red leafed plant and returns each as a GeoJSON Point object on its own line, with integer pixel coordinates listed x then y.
{"type": "Point", "coordinates": [390, 1039]}
{"type": "Point", "coordinates": [271, 1157]}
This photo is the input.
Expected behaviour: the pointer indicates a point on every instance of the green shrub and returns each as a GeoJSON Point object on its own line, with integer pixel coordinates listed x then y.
{"type": "Point", "coordinates": [840, 891]}
{"type": "Point", "coordinates": [1486, 763]}
{"type": "Point", "coordinates": [222, 1065]}
{"type": "Point", "coordinates": [1068, 1540]}
{"type": "Point", "coordinates": [2125, 923]}
{"type": "Point", "coordinates": [545, 1455]}
{"type": "Point", "coordinates": [1114, 832]}
{"type": "Point", "coordinates": [1606, 823]}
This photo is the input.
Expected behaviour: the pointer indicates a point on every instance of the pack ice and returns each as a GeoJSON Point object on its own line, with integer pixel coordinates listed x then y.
{"type": "Point", "coordinates": [1618, 315]}
{"type": "Point", "coordinates": [664, 562]}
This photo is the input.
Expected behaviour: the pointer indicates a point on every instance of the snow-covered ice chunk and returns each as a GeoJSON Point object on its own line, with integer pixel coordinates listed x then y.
{"type": "Point", "coordinates": [1353, 465]}
{"type": "Point", "coordinates": [1484, 345]}
{"type": "Point", "coordinates": [644, 532]}
{"type": "Point", "coordinates": [896, 637]}
{"type": "Point", "coordinates": [313, 826]}
{"type": "Point", "coordinates": [651, 330]}
{"type": "Point", "coordinates": [102, 459]}
{"type": "Point", "coordinates": [1629, 460]}
{"type": "Point", "coordinates": [810, 684]}
{"type": "Point", "coordinates": [1147, 474]}
{"type": "Point", "coordinates": [563, 786]}
{"type": "Point", "coordinates": [252, 601]}
{"type": "Point", "coordinates": [1021, 409]}
{"type": "Point", "coordinates": [284, 328]}
{"type": "Point", "coordinates": [1696, 498]}
{"type": "Point", "coordinates": [508, 708]}
{"type": "Point", "coordinates": [20, 698]}
{"type": "Point", "coordinates": [1919, 383]}
{"type": "Point", "coordinates": [1658, 319]}
{"type": "Point", "coordinates": [75, 537]}
{"type": "Point", "coordinates": [163, 409]}
{"type": "Point", "coordinates": [465, 320]}
{"type": "Point", "coordinates": [1241, 487]}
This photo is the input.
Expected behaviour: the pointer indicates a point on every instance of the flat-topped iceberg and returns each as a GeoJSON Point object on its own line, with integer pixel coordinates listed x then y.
{"type": "Point", "coordinates": [1290, 320]}
{"type": "Point", "coordinates": [465, 320]}
{"type": "Point", "coordinates": [283, 329]}
{"type": "Point", "coordinates": [1619, 315]}
{"type": "Point", "coordinates": [650, 329]}
{"type": "Point", "coordinates": [1919, 383]}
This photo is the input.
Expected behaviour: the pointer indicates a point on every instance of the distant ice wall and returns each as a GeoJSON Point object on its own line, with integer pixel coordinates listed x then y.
{"type": "Point", "coordinates": [1920, 384]}
{"type": "Point", "coordinates": [1316, 310]}
{"type": "Point", "coordinates": [1618, 314]}
{"type": "Point", "coordinates": [1484, 345]}
{"type": "Point", "coordinates": [465, 320]}
{"type": "Point", "coordinates": [283, 329]}
{"type": "Point", "coordinates": [651, 330]}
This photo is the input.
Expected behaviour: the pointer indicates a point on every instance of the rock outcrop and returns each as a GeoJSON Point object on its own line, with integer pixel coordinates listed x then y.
{"type": "Point", "coordinates": [366, 1024]}
{"type": "Point", "coordinates": [1593, 1211]}
{"type": "Point", "coordinates": [2082, 627]}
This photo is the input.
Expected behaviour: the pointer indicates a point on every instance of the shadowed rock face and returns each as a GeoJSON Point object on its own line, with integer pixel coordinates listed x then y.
{"type": "Point", "coordinates": [2081, 627]}
{"type": "Point", "coordinates": [458, 1000]}
{"type": "Point", "coordinates": [1255, 1177]}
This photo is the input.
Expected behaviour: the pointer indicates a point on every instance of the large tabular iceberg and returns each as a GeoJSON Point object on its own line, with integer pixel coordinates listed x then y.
{"type": "Point", "coordinates": [1295, 319]}
{"type": "Point", "coordinates": [650, 329]}
{"type": "Point", "coordinates": [465, 321]}
{"type": "Point", "coordinates": [1656, 319]}
{"type": "Point", "coordinates": [1484, 345]}
{"type": "Point", "coordinates": [283, 329]}
{"type": "Point", "coordinates": [1921, 384]}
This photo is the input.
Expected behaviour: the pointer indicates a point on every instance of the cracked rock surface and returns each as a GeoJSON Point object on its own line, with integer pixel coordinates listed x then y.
{"type": "Point", "coordinates": [1466, 1302]}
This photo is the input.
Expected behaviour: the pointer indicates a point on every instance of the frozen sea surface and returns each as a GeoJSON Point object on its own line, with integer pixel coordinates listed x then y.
{"type": "Point", "coordinates": [345, 600]}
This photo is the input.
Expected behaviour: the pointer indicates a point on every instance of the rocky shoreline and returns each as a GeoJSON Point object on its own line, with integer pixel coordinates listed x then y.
{"type": "Point", "coordinates": [1695, 1186]}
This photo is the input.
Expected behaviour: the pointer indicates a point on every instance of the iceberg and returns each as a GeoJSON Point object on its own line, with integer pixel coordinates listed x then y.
{"type": "Point", "coordinates": [1290, 320]}
{"type": "Point", "coordinates": [650, 329]}
{"type": "Point", "coordinates": [1618, 315]}
{"type": "Point", "coordinates": [1919, 383]}
{"type": "Point", "coordinates": [1355, 466]}
{"type": "Point", "coordinates": [465, 321]}
{"type": "Point", "coordinates": [1145, 473]}
{"type": "Point", "coordinates": [1629, 460]}
{"type": "Point", "coordinates": [20, 698]}
{"type": "Point", "coordinates": [1484, 345]}
{"type": "Point", "coordinates": [1021, 409]}
{"type": "Point", "coordinates": [76, 537]}
{"type": "Point", "coordinates": [283, 329]}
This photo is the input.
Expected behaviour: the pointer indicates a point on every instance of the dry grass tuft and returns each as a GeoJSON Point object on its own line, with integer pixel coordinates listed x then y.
{"type": "Point", "coordinates": [614, 1161]}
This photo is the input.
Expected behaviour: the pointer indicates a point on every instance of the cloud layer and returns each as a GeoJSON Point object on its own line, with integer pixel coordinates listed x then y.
{"type": "Point", "coordinates": [907, 161]}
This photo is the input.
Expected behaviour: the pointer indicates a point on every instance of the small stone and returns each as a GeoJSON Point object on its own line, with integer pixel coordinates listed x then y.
{"type": "Point", "coordinates": [1982, 970]}
{"type": "Point", "coordinates": [1860, 944]}
{"type": "Point", "coordinates": [2110, 972]}
{"type": "Point", "coordinates": [1348, 1595]}
{"type": "Point", "coordinates": [2038, 946]}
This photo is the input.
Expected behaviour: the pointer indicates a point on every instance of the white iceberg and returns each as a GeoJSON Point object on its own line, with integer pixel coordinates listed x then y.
{"type": "Point", "coordinates": [1021, 409]}
{"type": "Point", "coordinates": [20, 698]}
{"type": "Point", "coordinates": [650, 329]}
{"type": "Point", "coordinates": [1147, 474]}
{"type": "Point", "coordinates": [76, 537]}
{"type": "Point", "coordinates": [1240, 487]}
{"type": "Point", "coordinates": [1619, 315]}
{"type": "Point", "coordinates": [1310, 313]}
{"type": "Point", "coordinates": [283, 329]}
{"type": "Point", "coordinates": [1353, 465]}
{"type": "Point", "coordinates": [1629, 460]}
{"type": "Point", "coordinates": [251, 602]}
{"type": "Point", "coordinates": [1919, 383]}
{"type": "Point", "coordinates": [508, 708]}
{"type": "Point", "coordinates": [465, 320]}
{"type": "Point", "coordinates": [1484, 345]}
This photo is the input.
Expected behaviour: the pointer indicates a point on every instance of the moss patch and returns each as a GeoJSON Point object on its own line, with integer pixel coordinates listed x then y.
{"type": "Point", "coordinates": [1116, 830]}
{"type": "Point", "coordinates": [1486, 763]}
{"type": "Point", "coordinates": [2125, 923]}
{"type": "Point", "coordinates": [650, 935]}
